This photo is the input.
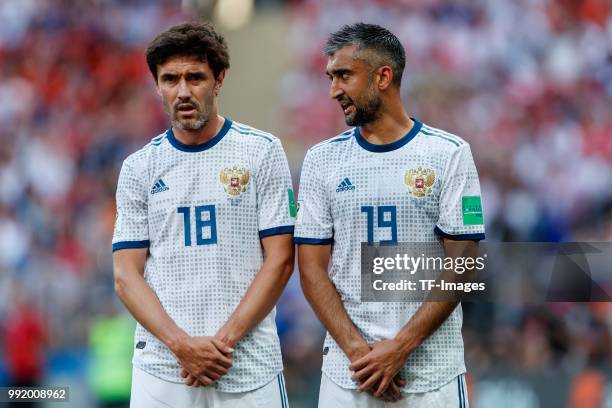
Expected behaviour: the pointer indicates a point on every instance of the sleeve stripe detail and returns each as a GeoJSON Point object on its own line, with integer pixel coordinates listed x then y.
{"type": "Point", "coordinates": [250, 129]}
{"type": "Point", "coordinates": [460, 237]}
{"type": "Point", "coordinates": [343, 137]}
{"type": "Point", "coordinates": [159, 141]}
{"type": "Point", "coordinates": [253, 132]}
{"type": "Point", "coordinates": [131, 244]}
{"type": "Point", "coordinates": [313, 241]}
{"type": "Point", "coordinates": [158, 137]}
{"type": "Point", "coordinates": [443, 133]}
{"type": "Point", "coordinates": [285, 229]}
{"type": "Point", "coordinates": [456, 143]}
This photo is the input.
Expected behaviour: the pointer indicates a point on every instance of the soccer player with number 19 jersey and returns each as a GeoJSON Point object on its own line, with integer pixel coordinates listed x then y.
{"type": "Point", "coordinates": [390, 179]}
{"type": "Point", "coordinates": [202, 247]}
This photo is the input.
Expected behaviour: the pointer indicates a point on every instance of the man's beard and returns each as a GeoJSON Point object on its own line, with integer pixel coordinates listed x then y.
{"type": "Point", "coordinates": [192, 124]}
{"type": "Point", "coordinates": [366, 111]}
{"type": "Point", "coordinates": [202, 114]}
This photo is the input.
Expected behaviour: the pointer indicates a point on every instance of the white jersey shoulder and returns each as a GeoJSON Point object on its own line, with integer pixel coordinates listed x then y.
{"type": "Point", "coordinates": [251, 134]}
{"type": "Point", "coordinates": [256, 143]}
{"type": "Point", "coordinates": [139, 160]}
{"type": "Point", "coordinates": [333, 142]}
{"type": "Point", "coordinates": [442, 139]}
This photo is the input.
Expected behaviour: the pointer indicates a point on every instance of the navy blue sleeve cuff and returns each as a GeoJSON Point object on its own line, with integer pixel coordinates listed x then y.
{"type": "Point", "coordinates": [313, 241]}
{"type": "Point", "coordinates": [286, 229]}
{"type": "Point", "coordinates": [459, 237]}
{"type": "Point", "coordinates": [131, 244]}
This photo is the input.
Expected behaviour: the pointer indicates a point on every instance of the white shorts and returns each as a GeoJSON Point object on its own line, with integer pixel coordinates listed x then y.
{"type": "Point", "coordinates": [451, 395]}
{"type": "Point", "coordinates": [151, 392]}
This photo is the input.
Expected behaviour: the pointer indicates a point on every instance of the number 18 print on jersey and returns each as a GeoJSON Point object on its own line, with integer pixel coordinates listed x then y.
{"type": "Point", "coordinates": [202, 210]}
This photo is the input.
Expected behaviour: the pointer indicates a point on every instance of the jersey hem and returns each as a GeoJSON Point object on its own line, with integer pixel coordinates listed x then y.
{"type": "Point", "coordinates": [131, 244]}
{"type": "Point", "coordinates": [459, 237]}
{"type": "Point", "coordinates": [312, 241]}
{"type": "Point", "coordinates": [285, 229]}
{"type": "Point", "coordinates": [258, 386]}
{"type": "Point", "coordinates": [405, 389]}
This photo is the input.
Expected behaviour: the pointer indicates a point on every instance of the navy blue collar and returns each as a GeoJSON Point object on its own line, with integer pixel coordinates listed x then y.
{"type": "Point", "coordinates": [202, 146]}
{"type": "Point", "coordinates": [380, 148]}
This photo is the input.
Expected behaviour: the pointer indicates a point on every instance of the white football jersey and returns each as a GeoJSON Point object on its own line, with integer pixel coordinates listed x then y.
{"type": "Point", "coordinates": [416, 189]}
{"type": "Point", "coordinates": [201, 210]}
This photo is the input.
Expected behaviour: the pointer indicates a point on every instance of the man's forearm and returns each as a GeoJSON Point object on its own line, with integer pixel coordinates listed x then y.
{"type": "Point", "coordinates": [143, 304]}
{"type": "Point", "coordinates": [431, 314]}
{"type": "Point", "coordinates": [261, 296]}
{"type": "Point", "coordinates": [326, 303]}
{"type": "Point", "coordinates": [428, 318]}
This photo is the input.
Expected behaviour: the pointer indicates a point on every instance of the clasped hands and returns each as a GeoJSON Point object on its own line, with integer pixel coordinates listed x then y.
{"type": "Point", "coordinates": [203, 359]}
{"type": "Point", "coordinates": [376, 368]}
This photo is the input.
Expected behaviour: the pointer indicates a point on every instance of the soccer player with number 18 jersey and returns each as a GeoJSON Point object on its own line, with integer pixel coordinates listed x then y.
{"type": "Point", "coordinates": [389, 179]}
{"type": "Point", "coordinates": [202, 247]}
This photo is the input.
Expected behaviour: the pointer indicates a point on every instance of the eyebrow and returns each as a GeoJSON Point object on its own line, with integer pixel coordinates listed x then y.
{"type": "Point", "coordinates": [169, 75]}
{"type": "Point", "coordinates": [338, 71]}
{"type": "Point", "coordinates": [200, 74]}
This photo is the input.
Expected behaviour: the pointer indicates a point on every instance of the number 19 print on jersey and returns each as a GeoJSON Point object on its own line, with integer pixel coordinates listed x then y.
{"type": "Point", "coordinates": [412, 190]}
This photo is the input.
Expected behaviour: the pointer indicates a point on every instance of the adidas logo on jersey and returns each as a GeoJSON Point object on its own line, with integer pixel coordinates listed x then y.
{"type": "Point", "coordinates": [346, 185]}
{"type": "Point", "coordinates": [159, 186]}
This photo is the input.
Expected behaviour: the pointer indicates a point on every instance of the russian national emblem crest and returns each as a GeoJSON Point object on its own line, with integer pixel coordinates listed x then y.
{"type": "Point", "coordinates": [420, 181]}
{"type": "Point", "coordinates": [235, 180]}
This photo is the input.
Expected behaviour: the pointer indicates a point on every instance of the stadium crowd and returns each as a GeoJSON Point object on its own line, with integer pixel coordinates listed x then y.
{"type": "Point", "coordinates": [75, 100]}
{"type": "Point", "coordinates": [527, 83]}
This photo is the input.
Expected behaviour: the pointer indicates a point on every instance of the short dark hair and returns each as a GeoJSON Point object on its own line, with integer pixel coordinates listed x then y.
{"type": "Point", "coordinates": [186, 40]}
{"type": "Point", "coordinates": [376, 40]}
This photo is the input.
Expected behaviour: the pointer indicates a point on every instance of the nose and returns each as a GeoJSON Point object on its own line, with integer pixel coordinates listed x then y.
{"type": "Point", "coordinates": [335, 91]}
{"type": "Point", "coordinates": [184, 93]}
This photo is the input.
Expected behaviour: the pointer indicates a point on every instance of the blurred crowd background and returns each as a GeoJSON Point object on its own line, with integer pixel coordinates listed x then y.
{"type": "Point", "coordinates": [528, 83]}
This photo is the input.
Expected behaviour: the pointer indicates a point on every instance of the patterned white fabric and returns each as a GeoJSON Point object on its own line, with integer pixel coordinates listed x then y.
{"type": "Point", "coordinates": [451, 395]}
{"type": "Point", "coordinates": [352, 191]}
{"type": "Point", "coordinates": [149, 391]}
{"type": "Point", "coordinates": [201, 210]}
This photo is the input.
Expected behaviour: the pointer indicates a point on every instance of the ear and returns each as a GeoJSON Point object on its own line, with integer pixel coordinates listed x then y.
{"type": "Point", "coordinates": [385, 75]}
{"type": "Point", "coordinates": [156, 79]}
{"type": "Point", "coordinates": [219, 82]}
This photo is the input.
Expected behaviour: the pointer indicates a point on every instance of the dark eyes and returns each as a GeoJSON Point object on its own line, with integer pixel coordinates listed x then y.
{"type": "Point", "coordinates": [342, 75]}
{"type": "Point", "coordinates": [168, 78]}
{"type": "Point", "coordinates": [188, 77]}
{"type": "Point", "coordinates": [195, 77]}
